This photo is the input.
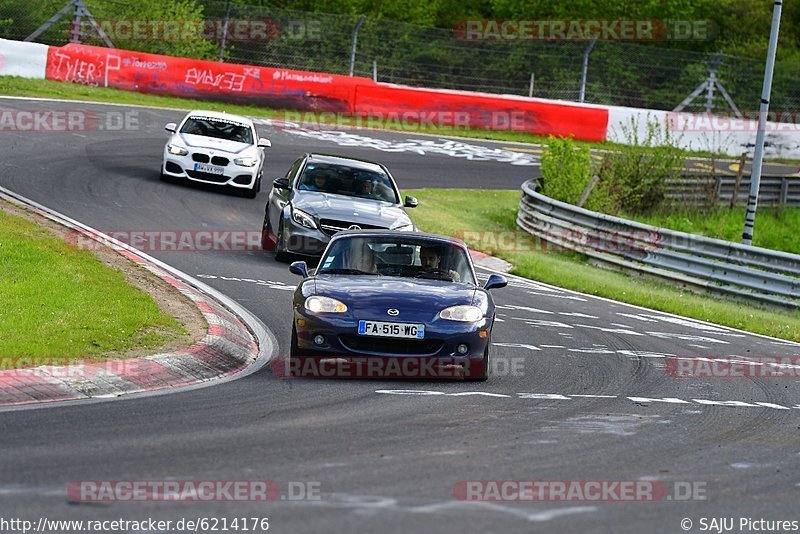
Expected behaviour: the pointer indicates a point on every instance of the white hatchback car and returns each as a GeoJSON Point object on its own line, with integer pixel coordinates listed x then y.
{"type": "Point", "coordinates": [215, 148]}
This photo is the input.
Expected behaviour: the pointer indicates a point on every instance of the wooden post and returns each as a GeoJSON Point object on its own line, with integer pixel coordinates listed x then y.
{"type": "Point", "coordinates": [735, 195]}
{"type": "Point", "coordinates": [588, 190]}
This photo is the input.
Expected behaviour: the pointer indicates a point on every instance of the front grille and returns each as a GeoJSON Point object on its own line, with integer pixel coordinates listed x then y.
{"type": "Point", "coordinates": [207, 176]}
{"type": "Point", "coordinates": [219, 160]}
{"type": "Point", "coordinates": [396, 347]}
{"type": "Point", "coordinates": [200, 158]}
{"type": "Point", "coordinates": [330, 226]}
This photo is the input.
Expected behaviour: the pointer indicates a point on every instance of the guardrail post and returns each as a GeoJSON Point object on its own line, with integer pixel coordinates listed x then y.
{"type": "Point", "coordinates": [784, 190]}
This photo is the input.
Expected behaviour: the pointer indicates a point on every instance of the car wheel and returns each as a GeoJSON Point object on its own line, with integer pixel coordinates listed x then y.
{"type": "Point", "coordinates": [294, 348]}
{"type": "Point", "coordinates": [280, 252]}
{"type": "Point", "coordinates": [266, 240]}
{"type": "Point", "coordinates": [482, 373]}
{"type": "Point", "coordinates": [250, 193]}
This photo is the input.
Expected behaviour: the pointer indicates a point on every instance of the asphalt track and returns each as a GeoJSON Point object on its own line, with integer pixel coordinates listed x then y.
{"type": "Point", "coordinates": [585, 399]}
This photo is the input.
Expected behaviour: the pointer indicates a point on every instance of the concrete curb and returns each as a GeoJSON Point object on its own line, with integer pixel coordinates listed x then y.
{"type": "Point", "coordinates": [234, 342]}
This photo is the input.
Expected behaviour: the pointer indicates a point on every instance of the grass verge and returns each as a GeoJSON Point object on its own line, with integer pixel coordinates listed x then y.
{"type": "Point", "coordinates": [776, 228]}
{"type": "Point", "coordinates": [61, 304]}
{"type": "Point", "coordinates": [487, 221]}
{"type": "Point", "coordinates": [16, 86]}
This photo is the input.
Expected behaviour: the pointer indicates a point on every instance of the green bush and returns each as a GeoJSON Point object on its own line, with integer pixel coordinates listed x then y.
{"type": "Point", "coordinates": [634, 178]}
{"type": "Point", "coordinates": [566, 169]}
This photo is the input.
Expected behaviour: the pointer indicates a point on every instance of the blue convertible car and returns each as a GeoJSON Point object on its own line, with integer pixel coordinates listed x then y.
{"type": "Point", "coordinates": [401, 304]}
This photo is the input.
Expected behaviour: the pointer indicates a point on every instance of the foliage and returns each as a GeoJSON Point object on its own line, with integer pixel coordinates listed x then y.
{"type": "Point", "coordinates": [566, 169]}
{"type": "Point", "coordinates": [634, 177]}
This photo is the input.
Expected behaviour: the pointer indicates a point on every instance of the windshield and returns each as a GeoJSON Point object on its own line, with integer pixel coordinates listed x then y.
{"type": "Point", "coordinates": [397, 256]}
{"type": "Point", "coordinates": [219, 128]}
{"type": "Point", "coordinates": [348, 181]}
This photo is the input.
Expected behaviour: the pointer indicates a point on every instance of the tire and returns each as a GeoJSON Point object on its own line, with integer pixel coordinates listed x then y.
{"type": "Point", "coordinates": [482, 376]}
{"type": "Point", "coordinates": [280, 255]}
{"type": "Point", "coordinates": [266, 241]}
{"type": "Point", "coordinates": [250, 193]}
{"type": "Point", "coordinates": [294, 349]}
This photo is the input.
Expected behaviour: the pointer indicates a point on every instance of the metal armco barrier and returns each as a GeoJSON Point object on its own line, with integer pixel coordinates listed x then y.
{"type": "Point", "coordinates": [775, 190]}
{"type": "Point", "coordinates": [752, 273]}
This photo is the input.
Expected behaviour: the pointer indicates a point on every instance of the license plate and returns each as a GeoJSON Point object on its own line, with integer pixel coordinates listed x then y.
{"type": "Point", "coordinates": [211, 169]}
{"type": "Point", "coordinates": [400, 330]}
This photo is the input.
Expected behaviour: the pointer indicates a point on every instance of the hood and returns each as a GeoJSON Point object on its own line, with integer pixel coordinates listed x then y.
{"type": "Point", "coordinates": [212, 143]}
{"type": "Point", "coordinates": [379, 293]}
{"type": "Point", "coordinates": [352, 209]}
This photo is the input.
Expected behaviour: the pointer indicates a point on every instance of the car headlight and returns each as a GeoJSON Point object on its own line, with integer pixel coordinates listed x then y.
{"type": "Point", "coordinates": [405, 228]}
{"type": "Point", "coordinates": [317, 304]}
{"type": "Point", "coordinates": [304, 219]}
{"type": "Point", "coordinates": [463, 313]}
{"type": "Point", "coordinates": [177, 150]}
{"type": "Point", "coordinates": [246, 162]}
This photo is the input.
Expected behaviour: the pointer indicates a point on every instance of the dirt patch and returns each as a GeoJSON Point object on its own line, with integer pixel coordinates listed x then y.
{"type": "Point", "coordinates": [170, 301]}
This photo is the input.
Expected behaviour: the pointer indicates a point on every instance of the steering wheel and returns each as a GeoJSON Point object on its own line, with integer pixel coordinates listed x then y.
{"type": "Point", "coordinates": [433, 272]}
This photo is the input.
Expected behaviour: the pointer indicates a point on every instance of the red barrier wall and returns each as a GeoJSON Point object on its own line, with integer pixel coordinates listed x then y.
{"type": "Point", "coordinates": [303, 90]}
{"type": "Point", "coordinates": [191, 78]}
{"type": "Point", "coordinates": [485, 111]}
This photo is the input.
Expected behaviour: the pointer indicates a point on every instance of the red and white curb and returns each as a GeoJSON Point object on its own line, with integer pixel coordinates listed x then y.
{"type": "Point", "coordinates": [236, 341]}
{"type": "Point", "coordinates": [481, 259]}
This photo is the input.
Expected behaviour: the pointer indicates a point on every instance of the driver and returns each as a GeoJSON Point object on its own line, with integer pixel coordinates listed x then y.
{"type": "Point", "coordinates": [366, 188]}
{"type": "Point", "coordinates": [320, 182]}
{"type": "Point", "coordinates": [431, 261]}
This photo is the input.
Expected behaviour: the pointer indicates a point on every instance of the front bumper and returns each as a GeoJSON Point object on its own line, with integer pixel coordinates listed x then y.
{"type": "Point", "coordinates": [298, 239]}
{"type": "Point", "coordinates": [183, 167]}
{"type": "Point", "coordinates": [436, 356]}
{"type": "Point", "coordinates": [342, 340]}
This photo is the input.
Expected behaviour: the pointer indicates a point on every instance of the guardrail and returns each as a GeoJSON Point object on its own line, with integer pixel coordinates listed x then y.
{"type": "Point", "coordinates": [697, 188]}
{"type": "Point", "coordinates": [751, 273]}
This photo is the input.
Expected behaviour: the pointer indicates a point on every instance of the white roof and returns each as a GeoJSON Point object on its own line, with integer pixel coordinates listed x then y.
{"type": "Point", "coordinates": [220, 115]}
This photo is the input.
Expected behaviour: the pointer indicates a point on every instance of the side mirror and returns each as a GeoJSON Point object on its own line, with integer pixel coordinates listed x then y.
{"type": "Point", "coordinates": [411, 202]}
{"type": "Point", "coordinates": [171, 127]}
{"type": "Point", "coordinates": [264, 143]}
{"type": "Point", "coordinates": [299, 267]}
{"type": "Point", "coordinates": [280, 183]}
{"type": "Point", "coordinates": [496, 281]}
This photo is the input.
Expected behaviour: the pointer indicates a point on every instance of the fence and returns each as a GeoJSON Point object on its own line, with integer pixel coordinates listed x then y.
{"type": "Point", "coordinates": [616, 73]}
{"type": "Point", "coordinates": [745, 272]}
{"type": "Point", "coordinates": [774, 190]}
